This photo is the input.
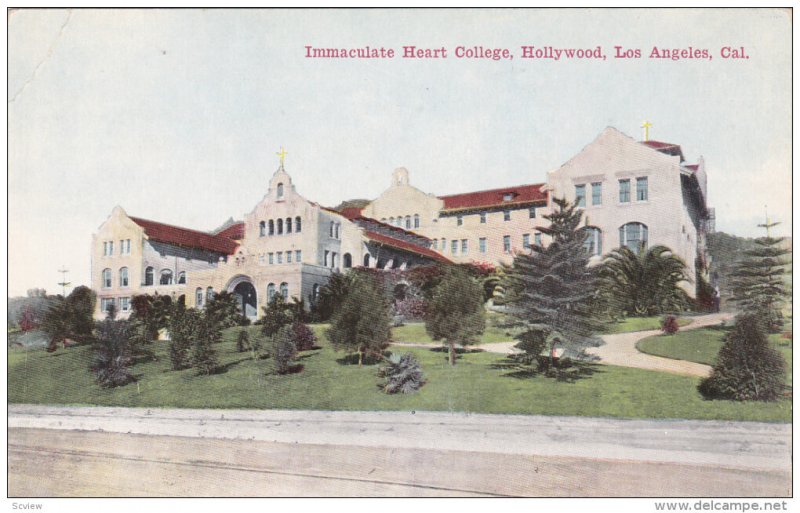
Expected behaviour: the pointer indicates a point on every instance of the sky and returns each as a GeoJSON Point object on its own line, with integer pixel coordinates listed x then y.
{"type": "Point", "coordinates": [177, 115]}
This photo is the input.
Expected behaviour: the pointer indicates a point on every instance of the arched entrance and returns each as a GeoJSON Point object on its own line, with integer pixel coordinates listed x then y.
{"type": "Point", "coordinates": [245, 292]}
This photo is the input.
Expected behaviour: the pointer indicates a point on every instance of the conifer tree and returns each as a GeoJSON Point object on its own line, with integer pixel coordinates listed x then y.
{"type": "Point", "coordinates": [204, 356]}
{"type": "Point", "coordinates": [362, 324]}
{"type": "Point", "coordinates": [550, 292]}
{"type": "Point", "coordinates": [455, 311]}
{"type": "Point", "coordinates": [758, 285]}
{"type": "Point", "coordinates": [183, 327]}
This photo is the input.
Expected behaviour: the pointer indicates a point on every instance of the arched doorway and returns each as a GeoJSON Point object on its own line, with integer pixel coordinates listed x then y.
{"type": "Point", "coordinates": [245, 292]}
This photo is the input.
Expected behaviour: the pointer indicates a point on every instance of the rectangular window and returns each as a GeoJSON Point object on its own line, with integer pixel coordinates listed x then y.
{"type": "Point", "coordinates": [459, 220]}
{"type": "Point", "coordinates": [124, 304]}
{"type": "Point", "coordinates": [526, 240]}
{"type": "Point", "coordinates": [537, 239]}
{"type": "Point", "coordinates": [111, 248]}
{"type": "Point", "coordinates": [624, 191]}
{"type": "Point", "coordinates": [464, 246]}
{"type": "Point", "coordinates": [532, 212]}
{"type": "Point", "coordinates": [288, 257]}
{"type": "Point", "coordinates": [325, 259]}
{"type": "Point", "coordinates": [454, 246]}
{"type": "Point", "coordinates": [261, 258]}
{"type": "Point", "coordinates": [298, 256]}
{"type": "Point", "coordinates": [641, 188]}
{"type": "Point", "coordinates": [436, 244]}
{"type": "Point", "coordinates": [580, 195]}
{"type": "Point", "coordinates": [482, 244]}
{"type": "Point", "coordinates": [597, 193]}
{"type": "Point", "coordinates": [125, 247]}
{"type": "Point", "coordinates": [483, 217]}
{"type": "Point", "coordinates": [280, 257]}
{"type": "Point", "coordinates": [507, 243]}
{"type": "Point", "coordinates": [105, 249]}
{"type": "Point", "coordinates": [506, 215]}
{"type": "Point", "coordinates": [270, 258]}
{"type": "Point", "coordinates": [105, 303]}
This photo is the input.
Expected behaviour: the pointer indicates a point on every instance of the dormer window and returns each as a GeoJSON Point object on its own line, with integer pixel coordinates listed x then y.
{"type": "Point", "coordinates": [280, 191]}
{"type": "Point", "coordinates": [508, 196]}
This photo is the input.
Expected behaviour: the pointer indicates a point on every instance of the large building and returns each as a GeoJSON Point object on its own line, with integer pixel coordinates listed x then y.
{"type": "Point", "coordinates": [634, 193]}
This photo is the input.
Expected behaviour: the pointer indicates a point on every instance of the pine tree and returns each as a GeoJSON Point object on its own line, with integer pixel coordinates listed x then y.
{"type": "Point", "coordinates": [455, 311]}
{"type": "Point", "coordinates": [204, 356]}
{"type": "Point", "coordinates": [183, 327]}
{"type": "Point", "coordinates": [747, 368]}
{"type": "Point", "coordinates": [758, 285]}
{"type": "Point", "coordinates": [550, 292]}
{"type": "Point", "coordinates": [362, 324]}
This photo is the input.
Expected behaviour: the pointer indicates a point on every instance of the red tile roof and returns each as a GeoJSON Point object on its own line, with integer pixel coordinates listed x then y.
{"type": "Point", "coordinates": [405, 246]}
{"type": "Point", "coordinates": [234, 231]}
{"type": "Point", "coordinates": [185, 237]}
{"type": "Point", "coordinates": [494, 197]}
{"type": "Point", "coordinates": [354, 214]}
{"type": "Point", "coordinates": [351, 212]}
{"type": "Point", "coordinates": [665, 147]}
{"type": "Point", "coordinates": [693, 167]}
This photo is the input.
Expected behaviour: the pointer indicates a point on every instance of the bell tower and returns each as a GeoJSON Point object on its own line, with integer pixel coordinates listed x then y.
{"type": "Point", "coordinates": [400, 177]}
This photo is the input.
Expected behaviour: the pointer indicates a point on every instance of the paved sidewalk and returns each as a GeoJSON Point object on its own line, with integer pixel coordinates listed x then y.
{"type": "Point", "coordinates": [620, 349]}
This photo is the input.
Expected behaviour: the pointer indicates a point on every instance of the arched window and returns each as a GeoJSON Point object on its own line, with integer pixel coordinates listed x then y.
{"type": "Point", "coordinates": [209, 293]}
{"type": "Point", "coordinates": [106, 278]}
{"type": "Point", "coordinates": [271, 227]}
{"type": "Point", "coordinates": [330, 230]}
{"type": "Point", "coordinates": [166, 277]}
{"type": "Point", "coordinates": [148, 276]}
{"type": "Point", "coordinates": [123, 277]}
{"type": "Point", "coordinates": [391, 220]}
{"type": "Point", "coordinates": [399, 221]}
{"type": "Point", "coordinates": [594, 240]}
{"type": "Point", "coordinates": [633, 236]}
{"type": "Point", "coordinates": [262, 229]}
{"type": "Point", "coordinates": [198, 297]}
{"type": "Point", "coordinates": [338, 227]}
{"type": "Point", "coordinates": [285, 291]}
{"type": "Point", "coordinates": [408, 221]}
{"type": "Point", "coordinates": [297, 224]}
{"type": "Point", "coordinates": [333, 260]}
{"type": "Point", "coordinates": [348, 261]}
{"type": "Point", "coordinates": [181, 277]}
{"type": "Point", "coordinates": [288, 225]}
{"type": "Point", "coordinates": [366, 260]}
{"type": "Point", "coordinates": [416, 220]}
{"type": "Point", "coordinates": [280, 226]}
{"type": "Point", "coordinates": [280, 190]}
{"type": "Point", "coordinates": [270, 292]}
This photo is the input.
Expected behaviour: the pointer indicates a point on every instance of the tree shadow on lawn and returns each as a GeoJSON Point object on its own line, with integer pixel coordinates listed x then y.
{"type": "Point", "coordinates": [569, 372]}
{"type": "Point", "coordinates": [460, 351]}
{"type": "Point", "coordinates": [366, 359]}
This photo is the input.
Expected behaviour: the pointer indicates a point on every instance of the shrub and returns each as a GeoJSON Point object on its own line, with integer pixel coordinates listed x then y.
{"type": "Point", "coordinates": [747, 368]}
{"type": "Point", "coordinates": [283, 349]}
{"type": "Point", "coordinates": [669, 325]}
{"type": "Point", "coordinates": [402, 374]}
{"type": "Point", "coordinates": [183, 328]}
{"type": "Point", "coordinates": [277, 314]}
{"type": "Point", "coordinates": [303, 337]}
{"type": "Point", "coordinates": [243, 341]}
{"type": "Point", "coordinates": [111, 361]}
{"type": "Point", "coordinates": [411, 308]}
{"type": "Point", "coordinates": [204, 357]}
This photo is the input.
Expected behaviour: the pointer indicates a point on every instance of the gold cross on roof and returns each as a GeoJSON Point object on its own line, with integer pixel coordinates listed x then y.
{"type": "Point", "coordinates": [646, 125]}
{"type": "Point", "coordinates": [282, 154]}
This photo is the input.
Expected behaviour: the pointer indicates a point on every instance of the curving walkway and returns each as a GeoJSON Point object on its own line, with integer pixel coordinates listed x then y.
{"type": "Point", "coordinates": [620, 349]}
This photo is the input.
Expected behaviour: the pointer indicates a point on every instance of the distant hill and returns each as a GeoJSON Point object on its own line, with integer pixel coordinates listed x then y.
{"type": "Point", "coordinates": [352, 203]}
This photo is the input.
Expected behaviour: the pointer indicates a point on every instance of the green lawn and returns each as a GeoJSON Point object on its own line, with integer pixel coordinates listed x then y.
{"type": "Point", "coordinates": [702, 345]}
{"type": "Point", "coordinates": [481, 382]}
{"type": "Point", "coordinates": [642, 324]}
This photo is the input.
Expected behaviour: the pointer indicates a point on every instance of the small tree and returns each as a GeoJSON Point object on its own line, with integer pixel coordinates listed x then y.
{"type": "Point", "coordinates": [747, 368]}
{"type": "Point", "coordinates": [758, 285]}
{"type": "Point", "coordinates": [302, 336]}
{"type": "Point", "coordinates": [669, 325]}
{"type": "Point", "coordinates": [331, 295]}
{"type": "Point", "coordinates": [27, 320]}
{"type": "Point", "coordinates": [277, 314]}
{"type": "Point", "coordinates": [152, 312]}
{"type": "Point", "coordinates": [362, 324]}
{"type": "Point", "coordinates": [243, 341]}
{"type": "Point", "coordinates": [112, 360]}
{"type": "Point", "coordinates": [401, 374]}
{"type": "Point", "coordinates": [550, 293]}
{"type": "Point", "coordinates": [204, 356]}
{"type": "Point", "coordinates": [455, 311]}
{"type": "Point", "coordinates": [80, 310]}
{"type": "Point", "coordinates": [283, 349]}
{"type": "Point", "coordinates": [56, 323]}
{"type": "Point", "coordinates": [224, 308]}
{"type": "Point", "coordinates": [183, 328]}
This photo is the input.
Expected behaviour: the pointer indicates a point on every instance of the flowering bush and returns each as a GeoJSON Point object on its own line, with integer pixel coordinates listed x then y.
{"type": "Point", "coordinates": [669, 325]}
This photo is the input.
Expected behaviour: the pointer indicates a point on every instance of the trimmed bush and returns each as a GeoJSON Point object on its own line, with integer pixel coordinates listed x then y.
{"type": "Point", "coordinates": [303, 337]}
{"type": "Point", "coordinates": [747, 368]}
{"type": "Point", "coordinates": [669, 325]}
{"type": "Point", "coordinates": [243, 341]}
{"type": "Point", "coordinates": [402, 374]}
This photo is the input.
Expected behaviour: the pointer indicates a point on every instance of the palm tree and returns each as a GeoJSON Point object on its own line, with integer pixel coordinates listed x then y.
{"type": "Point", "coordinates": [646, 283]}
